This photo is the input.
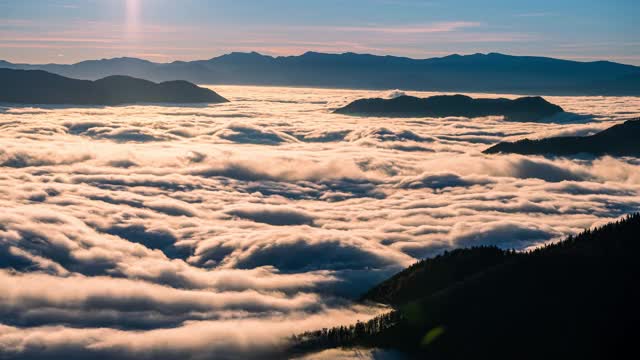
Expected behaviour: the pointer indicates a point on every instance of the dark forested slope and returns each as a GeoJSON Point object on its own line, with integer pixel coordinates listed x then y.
{"type": "Point", "coordinates": [574, 299]}
{"type": "Point", "coordinates": [430, 275]}
{"type": "Point", "coordinates": [619, 140]}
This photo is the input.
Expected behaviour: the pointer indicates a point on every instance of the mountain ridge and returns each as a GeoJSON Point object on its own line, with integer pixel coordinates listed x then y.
{"type": "Point", "coordinates": [618, 140]}
{"type": "Point", "coordinates": [42, 87]}
{"type": "Point", "coordinates": [574, 298]}
{"type": "Point", "coordinates": [491, 72]}
{"type": "Point", "coordinates": [347, 53]}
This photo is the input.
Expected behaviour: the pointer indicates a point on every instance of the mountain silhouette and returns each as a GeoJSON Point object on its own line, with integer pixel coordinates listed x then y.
{"type": "Point", "coordinates": [497, 73]}
{"type": "Point", "coordinates": [40, 87]}
{"type": "Point", "coordinates": [619, 140]}
{"type": "Point", "coordinates": [521, 109]}
{"type": "Point", "coordinates": [574, 299]}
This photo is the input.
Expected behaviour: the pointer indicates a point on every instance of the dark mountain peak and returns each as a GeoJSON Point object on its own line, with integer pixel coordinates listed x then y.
{"type": "Point", "coordinates": [532, 100]}
{"type": "Point", "coordinates": [314, 56]}
{"type": "Point", "coordinates": [485, 56]}
{"type": "Point", "coordinates": [29, 74]}
{"type": "Point", "coordinates": [470, 59]}
{"type": "Point", "coordinates": [117, 77]}
{"type": "Point", "coordinates": [240, 54]}
{"type": "Point", "coordinates": [344, 54]}
{"type": "Point", "coordinates": [237, 58]}
{"type": "Point", "coordinates": [41, 87]}
{"type": "Point", "coordinates": [122, 80]}
{"type": "Point", "coordinates": [248, 54]}
{"type": "Point", "coordinates": [130, 59]}
{"type": "Point", "coordinates": [454, 97]}
{"type": "Point", "coordinates": [350, 58]}
{"type": "Point", "coordinates": [313, 53]}
{"type": "Point", "coordinates": [117, 60]}
{"type": "Point", "coordinates": [605, 62]}
{"type": "Point", "coordinates": [618, 140]}
{"type": "Point", "coordinates": [359, 55]}
{"type": "Point", "coordinates": [629, 129]}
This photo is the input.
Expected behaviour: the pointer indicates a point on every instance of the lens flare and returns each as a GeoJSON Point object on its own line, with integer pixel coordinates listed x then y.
{"type": "Point", "coordinates": [133, 17]}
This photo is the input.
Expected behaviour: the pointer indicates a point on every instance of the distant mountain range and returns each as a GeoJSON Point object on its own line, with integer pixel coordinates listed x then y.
{"type": "Point", "coordinates": [576, 299]}
{"type": "Point", "coordinates": [491, 72]}
{"type": "Point", "coordinates": [41, 87]}
{"type": "Point", "coordinates": [619, 140]}
{"type": "Point", "coordinates": [521, 109]}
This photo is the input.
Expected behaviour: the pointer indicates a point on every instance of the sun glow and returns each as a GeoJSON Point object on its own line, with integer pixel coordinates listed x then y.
{"type": "Point", "coordinates": [133, 17]}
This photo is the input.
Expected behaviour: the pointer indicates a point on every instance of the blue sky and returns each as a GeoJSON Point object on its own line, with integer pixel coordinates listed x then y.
{"type": "Point", "coordinates": [66, 31]}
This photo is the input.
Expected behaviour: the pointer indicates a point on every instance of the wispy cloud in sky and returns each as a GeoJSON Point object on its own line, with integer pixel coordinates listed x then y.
{"type": "Point", "coordinates": [193, 29]}
{"type": "Point", "coordinates": [439, 27]}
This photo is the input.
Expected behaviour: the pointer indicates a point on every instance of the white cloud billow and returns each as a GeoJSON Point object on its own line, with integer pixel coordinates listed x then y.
{"type": "Point", "coordinates": [156, 232]}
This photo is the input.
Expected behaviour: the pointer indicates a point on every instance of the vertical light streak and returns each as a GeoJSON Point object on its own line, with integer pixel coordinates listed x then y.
{"type": "Point", "coordinates": [133, 19]}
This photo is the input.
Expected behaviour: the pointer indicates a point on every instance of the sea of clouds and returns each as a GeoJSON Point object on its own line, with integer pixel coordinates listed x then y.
{"type": "Point", "coordinates": [166, 232]}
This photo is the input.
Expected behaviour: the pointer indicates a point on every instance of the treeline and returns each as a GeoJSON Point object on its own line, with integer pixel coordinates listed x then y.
{"type": "Point", "coordinates": [430, 275]}
{"type": "Point", "coordinates": [618, 140]}
{"type": "Point", "coordinates": [345, 335]}
{"type": "Point", "coordinates": [575, 298]}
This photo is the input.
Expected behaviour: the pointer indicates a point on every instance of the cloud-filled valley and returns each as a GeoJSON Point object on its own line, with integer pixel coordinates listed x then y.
{"type": "Point", "coordinates": [226, 228]}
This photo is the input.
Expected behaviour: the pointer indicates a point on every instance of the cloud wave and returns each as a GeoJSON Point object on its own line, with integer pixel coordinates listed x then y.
{"type": "Point", "coordinates": [216, 232]}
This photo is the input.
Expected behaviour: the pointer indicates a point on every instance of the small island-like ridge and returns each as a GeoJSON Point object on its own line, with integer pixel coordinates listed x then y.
{"type": "Point", "coordinates": [41, 87]}
{"type": "Point", "coordinates": [521, 109]}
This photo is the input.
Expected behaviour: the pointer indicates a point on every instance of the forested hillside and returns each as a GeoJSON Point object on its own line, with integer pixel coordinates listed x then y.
{"type": "Point", "coordinates": [577, 299]}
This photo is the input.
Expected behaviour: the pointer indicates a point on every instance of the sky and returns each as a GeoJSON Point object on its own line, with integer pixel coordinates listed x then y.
{"type": "Point", "coordinates": [68, 31]}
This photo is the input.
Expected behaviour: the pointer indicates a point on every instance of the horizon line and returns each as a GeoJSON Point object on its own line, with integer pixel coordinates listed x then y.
{"type": "Point", "coordinates": [316, 52]}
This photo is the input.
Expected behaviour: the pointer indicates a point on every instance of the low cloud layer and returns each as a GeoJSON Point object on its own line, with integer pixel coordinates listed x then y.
{"type": "Point", "coordinates": [158, 232]}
